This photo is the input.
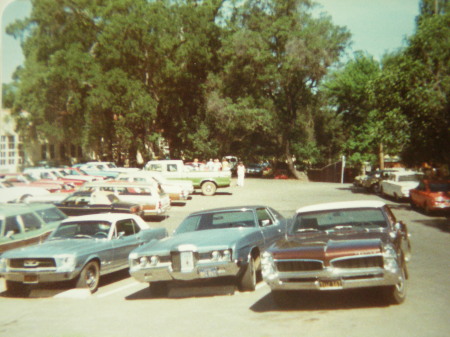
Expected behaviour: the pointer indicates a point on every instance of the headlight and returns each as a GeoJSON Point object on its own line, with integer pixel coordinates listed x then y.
{"type": "Point", "coordinates": [390, 258]}
{"type": "Point", "coordinates": [221, 255]}
{"type": "Point", "coordinates": [65, 263]}
{"type": "Point", "coordinates": [143, 261]}
{"type": "Point", "coordinates": [2, 265]}
{"type": "Point", "coordinates": [154, 260]}
{"type": "Point", "coordinates": [268, 264]}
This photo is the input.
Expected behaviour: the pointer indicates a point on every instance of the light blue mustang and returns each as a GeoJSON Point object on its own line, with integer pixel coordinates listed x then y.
{"type": "Point", "coordinates": [81, 249]}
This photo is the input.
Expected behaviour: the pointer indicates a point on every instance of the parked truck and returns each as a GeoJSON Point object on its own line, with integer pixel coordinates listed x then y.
{"type": "Point", "coordinates": [207, 181]}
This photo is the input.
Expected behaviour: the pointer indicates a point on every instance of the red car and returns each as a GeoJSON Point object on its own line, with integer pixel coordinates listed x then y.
{"type": "Point", "coordinates": [431, 195]}
{"type": "Point", "coordinates": [24, 180]}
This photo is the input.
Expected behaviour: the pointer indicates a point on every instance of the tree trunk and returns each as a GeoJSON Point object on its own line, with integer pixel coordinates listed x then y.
{"type": "Point", "coordinates": [297, 174]}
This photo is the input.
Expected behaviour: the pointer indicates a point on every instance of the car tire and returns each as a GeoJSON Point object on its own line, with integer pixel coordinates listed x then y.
{"type": "Point", "coordinates": [209, 188]}
{"type": "Point", "coordinates": [89, 277]}
{"type": "Point", "coordinates": [159, 289]}
{"type": "Point", "coordinates": [247, 281]}
{"type": "Point", "coordinates": [17, 289]}
{"type": "Point", "coordinates": [397, 294]}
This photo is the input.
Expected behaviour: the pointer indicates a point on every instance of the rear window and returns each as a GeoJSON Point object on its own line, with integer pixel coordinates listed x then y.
{"type": "Point", "coordinates": [51, 215]}
{"type": "Point", "coordinates": [324, 220]}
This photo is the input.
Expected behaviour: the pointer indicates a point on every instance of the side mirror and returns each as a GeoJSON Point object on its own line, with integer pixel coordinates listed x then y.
{"type": "Point", "coordinates": [9, 234]}
{"type": "Point", "coordinates": [120, 235]}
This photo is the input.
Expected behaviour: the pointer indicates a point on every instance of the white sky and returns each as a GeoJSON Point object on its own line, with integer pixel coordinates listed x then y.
{"type": "Point", "coordinates": [377, 26]}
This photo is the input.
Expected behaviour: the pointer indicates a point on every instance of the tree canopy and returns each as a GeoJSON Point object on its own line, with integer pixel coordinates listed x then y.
{"type": "Point", "coordinates": [218, 77]}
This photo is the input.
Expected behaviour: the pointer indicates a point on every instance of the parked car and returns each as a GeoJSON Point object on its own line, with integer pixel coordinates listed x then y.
{"type": "Point", "coordinates": [398, 184]}
{"type": "Point", "coordinates": [96, 170]}
{"type": "Point", "coordinates": [77, 173]}
{"type": "Point", "coordinates": [50, 174]}
{"type": "Point", "coordinates": [372, 180]}
{"type": "Point", "coordinates": [431, 195]}
{"type": "Point", "coordinates": [337, 246]}
{"type": "Point", "coordinates": [151, 200]}
{"type": "Point", "coordinates": [10, 194]}
{"type": "Point", "coordinates": [23, 225]}
{"type": "Point", "coordinates": [254, 170]}
{"type": "Point", "coordinates": [25, 180]}
{"type": "Point", "coordinates": [210, 244]}
{"type": "Point", "coordinates": [86, 202]}
{"type": "Point", "coordinates": [178, 190]}
{"type": "Point", "coordinates": [207, 181]}
{"type": "Point", "coordinates": [81, 249]}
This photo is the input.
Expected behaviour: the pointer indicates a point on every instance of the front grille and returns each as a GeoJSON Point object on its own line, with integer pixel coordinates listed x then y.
{"type": "Point", "coordinates": [288, 266]}
{"type": "Point", "coordinates": [32, 263]}
{"type": "Point", "coordinates": [359, 262]}
{"type": "Point", "coordinates": [177, 263]}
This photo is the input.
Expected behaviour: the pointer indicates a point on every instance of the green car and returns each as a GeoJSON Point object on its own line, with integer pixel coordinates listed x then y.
{"type": "Point", "coordinates": [27, 224]}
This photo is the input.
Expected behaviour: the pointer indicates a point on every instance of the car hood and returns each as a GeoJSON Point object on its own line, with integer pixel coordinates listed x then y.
{"type": "Point", "coordinates": [57, 247]}
{"type": "Point", "coordinates": [199, 240]}
{"type": "Point", "coordinates": [325, 246]}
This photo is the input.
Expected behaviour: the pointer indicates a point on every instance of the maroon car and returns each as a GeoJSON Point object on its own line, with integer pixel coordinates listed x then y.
{"type": "Point", "coordinates": [336, 246]}
{"type": "Point", "coordinates": [431, 195]}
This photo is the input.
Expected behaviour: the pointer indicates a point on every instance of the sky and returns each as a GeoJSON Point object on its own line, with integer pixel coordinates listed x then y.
{"type": "Point", "coordinates": [377, 26]}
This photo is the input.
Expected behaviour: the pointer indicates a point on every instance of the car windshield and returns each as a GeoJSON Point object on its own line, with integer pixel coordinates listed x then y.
{"type": "Point", "coordinates": [217, 220]}
{"type": "Point", "coordinates": [440, 187]}
{"type": "Point", "coordinates": [366, 218]}
{"type": "Point", "coordinates": [82, 229]}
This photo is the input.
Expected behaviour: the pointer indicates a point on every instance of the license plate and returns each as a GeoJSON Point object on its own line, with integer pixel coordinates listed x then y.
{"type": "Point", "coordinates": [330, 284]}
{"type": "Point", "coordinates": [208, 272]}
{"type": "Point", "coordinates": [30, 279]}
{"type": "Point", "coordinates": [187, 261]}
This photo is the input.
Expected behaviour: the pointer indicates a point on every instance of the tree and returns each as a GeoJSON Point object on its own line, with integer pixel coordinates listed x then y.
{"type": "Point", "coordinates": [275, 55]}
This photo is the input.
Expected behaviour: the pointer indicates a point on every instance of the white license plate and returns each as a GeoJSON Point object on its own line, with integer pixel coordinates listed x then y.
{"type": "Point", "coordinates": [30, 279]}
{"type": "Point", "coordinates": [187, 261]}
{"type": "Point", "coordinates": [330, 284]}
{"type": "Point", "coordinates": [208, 272]}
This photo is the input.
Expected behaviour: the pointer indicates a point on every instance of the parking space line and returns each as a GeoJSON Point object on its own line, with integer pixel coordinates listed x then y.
{"type": "Point", "coordinates": [118, 289]}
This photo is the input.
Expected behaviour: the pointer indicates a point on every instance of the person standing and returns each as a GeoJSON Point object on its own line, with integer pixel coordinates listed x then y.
{"type": "Point", "coordinates": [240, 174]}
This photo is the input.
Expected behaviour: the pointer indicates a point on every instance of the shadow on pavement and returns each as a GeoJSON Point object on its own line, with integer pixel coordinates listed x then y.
{"type": "Point", "coordinates": [333, 300]}
{"type": "Point", "coordinates": [203, 288]}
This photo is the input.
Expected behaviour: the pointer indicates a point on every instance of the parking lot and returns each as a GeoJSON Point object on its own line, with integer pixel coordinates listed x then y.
{"type": "Point", "coordinates": [124, 307]}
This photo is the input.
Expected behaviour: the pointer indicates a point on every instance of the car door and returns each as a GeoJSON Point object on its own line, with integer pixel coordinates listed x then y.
{"type": "Point", "coordinates": [270, 227]}
{"type": "Point", "coordinates": [126, 238]}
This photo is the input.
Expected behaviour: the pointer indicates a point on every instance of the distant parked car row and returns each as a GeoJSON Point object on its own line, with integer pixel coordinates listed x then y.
{"type": "Point", "coordinates": [426, 194]}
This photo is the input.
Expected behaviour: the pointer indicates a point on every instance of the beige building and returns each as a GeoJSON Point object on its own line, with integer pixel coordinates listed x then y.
{"type": "Point", "coordinates": [15, 155]}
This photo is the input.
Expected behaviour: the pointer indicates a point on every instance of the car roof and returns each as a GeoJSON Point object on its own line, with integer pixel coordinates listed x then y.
{"type": "Point", "coordinates": [13, 208]}
{"type": "Point", "coordinates": [342, 205]}
{"type": "Point", "coordinates": [101, 216]}
{"type": "Point", "coordinates": [232, 208]}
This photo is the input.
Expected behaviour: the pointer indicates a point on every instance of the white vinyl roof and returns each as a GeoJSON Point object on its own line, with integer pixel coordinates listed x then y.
{"type": "Point", "coordinates": [342, 205]}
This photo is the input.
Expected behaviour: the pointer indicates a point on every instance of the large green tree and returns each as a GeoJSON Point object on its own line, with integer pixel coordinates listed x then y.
{"type": "Point", "coordinates": [275, 54]}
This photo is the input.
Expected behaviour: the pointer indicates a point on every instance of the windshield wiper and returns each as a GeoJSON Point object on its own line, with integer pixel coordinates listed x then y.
{"type": "Point", "coordinates": [306, 230]}
{"type": "Point", "coordinates": [341, 227]}
{"type": "Point", "coordinates": [82, 236]}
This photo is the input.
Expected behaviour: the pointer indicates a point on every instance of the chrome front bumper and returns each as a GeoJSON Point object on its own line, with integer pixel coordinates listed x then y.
{"type": "Point", "coordinates": [200, 271]}
{"type": "Point", "coordinates": [36, 277]}
{"type": "Point", "coordinates": [332, 279]}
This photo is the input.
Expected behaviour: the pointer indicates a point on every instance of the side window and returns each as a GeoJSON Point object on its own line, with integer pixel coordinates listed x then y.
{"type": "Point", "coordinates": [11, 224]}
{"type": "Point", "coordinates": [30, 222]}
{"type": "Point", "coordinates": [264, 218]}
{"type": "Point", "coordinates": [128, 227]}
{"type": "Point", "coordinates": [171, 168]}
